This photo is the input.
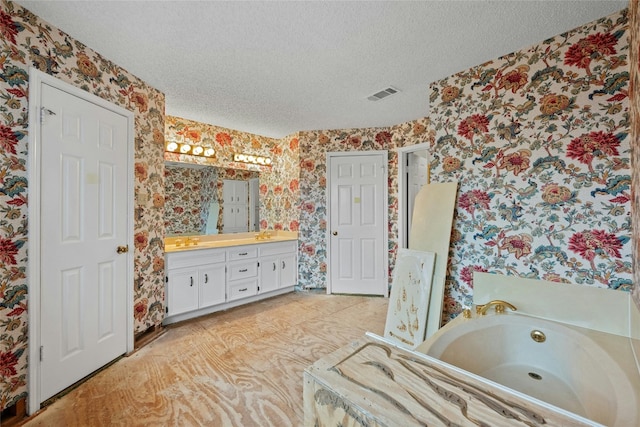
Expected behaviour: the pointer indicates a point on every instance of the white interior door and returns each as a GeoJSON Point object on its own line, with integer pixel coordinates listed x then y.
{"type": "Point", "coordinates": [84, 221]}
{"type": "Point", "coordinates": [358, 254]}
{"type": "Point", "coordinates": [405, 211]}
{"type": "Point", "coordinates": [235, 217]}
{"type": "Point", "coordinates": [417, 167]}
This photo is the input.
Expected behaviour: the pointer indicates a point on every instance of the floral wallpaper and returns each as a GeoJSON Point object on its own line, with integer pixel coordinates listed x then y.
{"type": "Point", "coordinates": [278, 182]}
{"type": "Point", "coordinates": [189, 193]}
{"type": "Point", "coordinates": [539, 141]}
{"type": "Point", "coordinates": [634, 61]}
{"type": "Point", "coordinates": [29, 41]}
{"type": "Point", "coordinates": [312, 256]}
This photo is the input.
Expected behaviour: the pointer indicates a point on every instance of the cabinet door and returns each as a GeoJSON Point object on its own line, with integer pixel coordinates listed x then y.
{"type": "Point", "coordinates": [288, 270]}
{"type": "Point", "coordinates": [182, 291]}
{"type": "Point", "coordinates": [212, 284]}
{"type": "Point", "coordinates": [269, 274]}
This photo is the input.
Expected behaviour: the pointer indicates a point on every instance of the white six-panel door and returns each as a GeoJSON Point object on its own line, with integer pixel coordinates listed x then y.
{"type": "Point", "coordinates": [358, 256]}
{"type": "Point", "coordinates": [83, 197]}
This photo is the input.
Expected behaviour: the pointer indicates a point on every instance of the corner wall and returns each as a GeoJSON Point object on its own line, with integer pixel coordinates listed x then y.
{"type": "Point", "coordinates": [278, 182]}
{"type": "Point", "coordinates": [634, 60]}
{"type": "Point", "coordinates": [29, 41]}
{"type": "Point", "coordinates": [312, 255]}
{"type": "Point", "coordinates": [539, 140]}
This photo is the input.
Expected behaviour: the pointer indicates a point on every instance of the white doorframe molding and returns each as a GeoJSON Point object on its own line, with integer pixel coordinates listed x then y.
{"type": "Point", "coordinates": [385, 219]}
{"type": "Point", "coordinates": [34, 165]}
{"type": "Point", "coordinates": [402, 188]}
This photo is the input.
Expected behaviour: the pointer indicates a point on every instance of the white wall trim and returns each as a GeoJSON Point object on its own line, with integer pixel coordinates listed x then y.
{"type": "Point", "coordinates": [34, 163]}
{"type": "Point", "coordinates": [385, 220]}
{"type": "Point", "coordinates": [402, 188]}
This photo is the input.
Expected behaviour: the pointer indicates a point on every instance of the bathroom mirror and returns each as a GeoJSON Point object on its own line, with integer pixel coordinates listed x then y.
{"type": "Point", "coordinates": [195, 202]}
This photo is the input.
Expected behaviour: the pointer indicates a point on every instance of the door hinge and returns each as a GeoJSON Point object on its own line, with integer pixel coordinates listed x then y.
{"type": "Point", "coordinates": [166, 309]}
{"type": "Point", "coordinates": [166, 279]}
{"type": "Point", "coordinates": [258, 288]}
{"type": "Point", "coordinates": [44, 110]}
{"type": "Point", "coordinates": [258, 263]}
{"type": "Point", "coordinates": [41, 353]}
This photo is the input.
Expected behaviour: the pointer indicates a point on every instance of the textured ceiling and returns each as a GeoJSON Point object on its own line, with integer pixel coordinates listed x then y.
{"type": "Point", "coordinates": [273, 68]}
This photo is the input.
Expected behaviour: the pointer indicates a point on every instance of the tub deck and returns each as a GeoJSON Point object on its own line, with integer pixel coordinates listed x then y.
{"type": "Point", "coordinates": [372, 382]}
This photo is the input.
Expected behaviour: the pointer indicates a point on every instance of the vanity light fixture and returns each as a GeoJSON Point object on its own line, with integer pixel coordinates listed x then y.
{"type": "Point", "coordinates": [251, 158]}
{"type": "Point", "coordinates": [184, 148]}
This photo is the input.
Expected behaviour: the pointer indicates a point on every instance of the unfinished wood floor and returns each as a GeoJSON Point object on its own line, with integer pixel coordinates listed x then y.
{"type": "Point", "coordinates": [241, 367]}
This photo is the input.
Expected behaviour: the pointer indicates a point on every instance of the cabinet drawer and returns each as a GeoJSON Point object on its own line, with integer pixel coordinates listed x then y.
{"type": "Point", "coordinates": [242, 252]}
{"type": "Point", "coordinates": [245, 288]}
{"type": "Point", "coordinates": [195, 257]}
{"type": "Point", "coordinates": [243, 270]}
{"type": "Point", "coordinates": [278, 248]}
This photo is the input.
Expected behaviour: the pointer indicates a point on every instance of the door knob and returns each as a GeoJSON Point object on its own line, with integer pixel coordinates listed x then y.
{"type": "Point", "coordinates": [335, 233]}
{"type": "Point", "coordinates": [122, 249]}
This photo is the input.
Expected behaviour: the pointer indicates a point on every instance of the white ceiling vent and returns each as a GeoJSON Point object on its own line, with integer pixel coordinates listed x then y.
{"type": "Point", "coordinates": [383, 94]}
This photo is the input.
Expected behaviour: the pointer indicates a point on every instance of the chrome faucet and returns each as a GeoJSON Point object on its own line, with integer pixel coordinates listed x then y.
{"type": "Point", "coordinates": [499, 305]}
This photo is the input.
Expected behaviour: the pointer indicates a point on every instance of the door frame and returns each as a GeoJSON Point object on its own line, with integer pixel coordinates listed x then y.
{"type": "Point", "coordinates": [330, 155]}
{"type": "Point", "coordinates": [34, 264]}
{"type": "Point", "coordinates": [254, 208]}
{"type": "Point", "coordinates": [403, 153]}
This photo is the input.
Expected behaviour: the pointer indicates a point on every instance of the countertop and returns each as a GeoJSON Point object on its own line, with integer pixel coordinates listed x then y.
{"type": "Point", "coordinates": [227, 240]}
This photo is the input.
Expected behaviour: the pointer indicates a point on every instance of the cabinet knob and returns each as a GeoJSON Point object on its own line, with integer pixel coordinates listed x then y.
{"type": "Point", "coordinates": [206, 278]}
{"type": "Point", "coordinates": [191, 278]}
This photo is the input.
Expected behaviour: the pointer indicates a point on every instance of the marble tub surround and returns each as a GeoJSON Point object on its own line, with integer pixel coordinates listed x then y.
{"type": "Point", "coordinates": [226, 240]}
{"type": "Point", "coordinates": [374, 382]}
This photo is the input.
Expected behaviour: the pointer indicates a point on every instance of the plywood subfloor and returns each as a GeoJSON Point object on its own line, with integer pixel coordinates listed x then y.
{"type": "Point", "coordinates": [241, 367]}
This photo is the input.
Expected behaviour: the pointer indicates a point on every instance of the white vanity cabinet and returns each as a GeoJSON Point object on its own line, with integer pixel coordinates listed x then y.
{"type": "Point", "coordinates": [204, 280]}
{"type": "Point", "coordinates": [195, 279]}
{"type": "Point", "coordinates": [278, 266]}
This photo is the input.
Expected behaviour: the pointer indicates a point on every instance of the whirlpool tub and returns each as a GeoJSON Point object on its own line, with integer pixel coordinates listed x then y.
{"type": "Point", "coordinates": [588, 373]}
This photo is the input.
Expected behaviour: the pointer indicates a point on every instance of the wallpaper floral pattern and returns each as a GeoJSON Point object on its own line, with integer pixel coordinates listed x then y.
{"type": "Point", "coordinates": [634, 61]}
{"type": "Point", "coordinates": [312, 255]}
{"type": "Point", "coordinates": [278, 182]}
{"type": "Point", "coordinates": [28, 41]}
{"type": "Point", "coordinates": [539, 141]}
{"type": "Point", "coordinates": [189, 192]}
